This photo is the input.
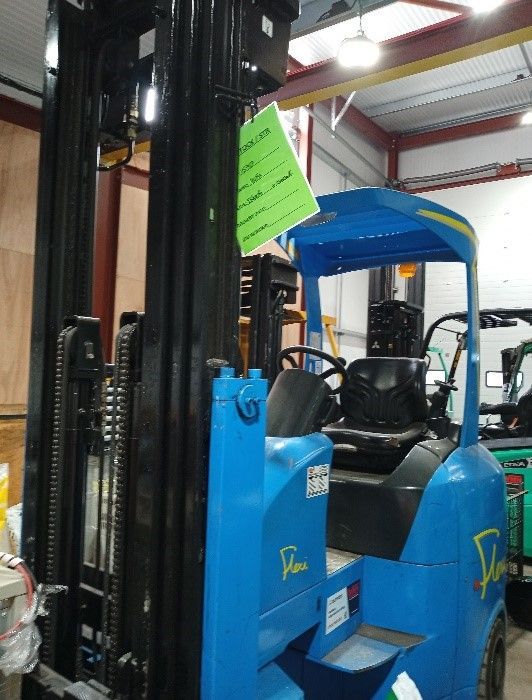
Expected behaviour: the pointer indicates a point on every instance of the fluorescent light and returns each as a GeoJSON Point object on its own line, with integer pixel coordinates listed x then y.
{"type": "Point", "coordinates": [485, 5]}
{"type": "Point", "coordinates": [149, 105]}
{"type": "Point", "coordinates": [52, 54]}
{"type": "Point", "coordinates": [358, 52]}
{"type": "Point", "coordinates": [526, 119]}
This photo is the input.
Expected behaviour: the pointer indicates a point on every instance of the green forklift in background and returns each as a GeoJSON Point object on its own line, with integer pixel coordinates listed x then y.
{"type": "Point", "coordinates": [510, 440]}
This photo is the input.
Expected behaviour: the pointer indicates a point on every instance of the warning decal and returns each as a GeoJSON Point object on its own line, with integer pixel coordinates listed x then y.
{"type": "Point", "coordinates": [317, 480]}
{"type": "Point", "coordinates": [337, 610]}
{"type": "Point", "coordinates": [342, 605]}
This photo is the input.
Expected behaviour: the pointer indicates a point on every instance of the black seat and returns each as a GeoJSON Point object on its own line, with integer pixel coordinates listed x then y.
{"type": "Point", "coordinates": [384, 405]}
{"type": "Point", "coordinates": [298, 404]}
{"type": "Point", "coordinates": [373, 514]}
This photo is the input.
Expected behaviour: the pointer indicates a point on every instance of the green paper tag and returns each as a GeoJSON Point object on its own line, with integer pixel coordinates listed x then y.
{"type": "Point", "coordinates": [273, 193]}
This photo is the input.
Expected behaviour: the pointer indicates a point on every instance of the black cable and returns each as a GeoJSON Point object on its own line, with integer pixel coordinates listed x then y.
{"type": "Point", "coordinates": [332, 12]}
{"type": "Point", "coordinates": [10, 82]}
{"type": "Point", "coordinates": [121, 163]}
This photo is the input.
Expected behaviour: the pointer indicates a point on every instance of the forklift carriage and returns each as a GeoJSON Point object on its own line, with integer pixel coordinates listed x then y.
{"type": "Point", "coordinates": [383, 541]}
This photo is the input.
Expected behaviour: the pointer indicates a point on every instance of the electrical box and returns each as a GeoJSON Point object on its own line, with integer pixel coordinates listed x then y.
{"type": "Point", "coordinates": [394, 329]}
{"type": "Point", "coordinates": [267, 33]}
{"type": "Point", "coordinates": [268, 283]}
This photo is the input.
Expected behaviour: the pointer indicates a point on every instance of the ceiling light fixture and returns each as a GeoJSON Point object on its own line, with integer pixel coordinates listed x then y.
{"type": "Point", "coordinates": [485, 5]}
{"type": "Point", "coordinates": [358, 51]}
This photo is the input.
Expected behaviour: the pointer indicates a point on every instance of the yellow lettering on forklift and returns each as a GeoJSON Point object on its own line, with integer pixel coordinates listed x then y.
{"type": "Point", "coordinates": [290, 565]}
{"type": "Point", "coordinates": [495, 569]}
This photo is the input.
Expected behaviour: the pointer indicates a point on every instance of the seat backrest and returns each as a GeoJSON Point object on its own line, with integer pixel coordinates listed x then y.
{"type": "Point", "coordinates": [385, 392]}
{"type": "Point", "coordinates": [297, 403]}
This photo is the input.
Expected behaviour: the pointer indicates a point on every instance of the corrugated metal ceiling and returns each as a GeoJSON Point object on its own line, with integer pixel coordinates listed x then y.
{"type": "Point", "coordinates": [472, 88]}
{"type": "Point", "coordinates": [379, 25]}
{"type": "Point", "coordinates": [22, 40]}
{"type": "Point", "coordinates": [464, 73]}
{"type": "Point", "coordinates": [478, 87]}
{"type": "Point", "coordinates": [492, 102]}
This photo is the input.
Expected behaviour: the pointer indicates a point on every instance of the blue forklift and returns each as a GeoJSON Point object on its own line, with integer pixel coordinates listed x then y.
{"type": "Point", "coordinates": [354, 548]}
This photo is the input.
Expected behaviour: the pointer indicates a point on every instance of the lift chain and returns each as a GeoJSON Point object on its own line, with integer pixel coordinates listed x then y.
{"type": "Point", "coordinates": [56, 467]}
{"type": "Point", "coordinates": [118, 492]}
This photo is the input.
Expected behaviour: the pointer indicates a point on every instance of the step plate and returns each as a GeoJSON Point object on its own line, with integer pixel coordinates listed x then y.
{"type": "Point", "coordinates": [394, 637]}
{"type": "Point", "coordinates": [336, 559]}
{"type": "Point", "coordinates": [358, 654]}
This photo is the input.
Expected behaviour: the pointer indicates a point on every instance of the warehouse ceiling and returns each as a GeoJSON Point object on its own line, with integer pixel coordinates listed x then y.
{"type": "Point", "coordinates": [491, 84]}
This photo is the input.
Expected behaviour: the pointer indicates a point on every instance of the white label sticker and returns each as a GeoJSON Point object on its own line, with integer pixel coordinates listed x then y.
{"type": "Point", "coordinates": [317, 480]}
{"type": "Point", "coordinates": [337, 610]}
{"type": "Point", "coordinates": [267, 26]}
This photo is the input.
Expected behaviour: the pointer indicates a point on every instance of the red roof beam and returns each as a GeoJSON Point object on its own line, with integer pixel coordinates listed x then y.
{"type": "Point", "coordinates": [451, 41]}
{"type": "Point", "coordinates": [18, 113]}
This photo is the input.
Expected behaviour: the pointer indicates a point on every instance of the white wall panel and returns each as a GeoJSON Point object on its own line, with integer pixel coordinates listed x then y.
{"type": "Point", "coordinates": [500, 213]}
{"type": "Point", "coordinates": [376, 156]}
{"type": "Point", "coordinates": [502, 147]}
{"type": "Point", "coordinates": [324, 178]}
{"type": "Point", "coordinates": [348, 301]}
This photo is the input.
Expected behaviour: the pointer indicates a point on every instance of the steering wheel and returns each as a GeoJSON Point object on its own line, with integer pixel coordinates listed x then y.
{"type": "Point", "coordinates": [338, 367]}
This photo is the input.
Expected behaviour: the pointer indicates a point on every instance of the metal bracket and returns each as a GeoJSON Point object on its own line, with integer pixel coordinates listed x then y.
{"type": "Point", "coordinates": [336, 118]}
{"type": "Point", "coordinates": [247, 403]}
{"type": "Point", "coordinates": [237, 97]}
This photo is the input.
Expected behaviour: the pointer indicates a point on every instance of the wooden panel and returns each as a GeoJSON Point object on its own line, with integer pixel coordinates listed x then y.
{"type": "Point", "coordinates": [132, 231]}
{"type": "Point", "coordinates": [129, 296]}
{"type": "Point", "coordinates": [19, 158]}
{"type": "Point", "coordinates": [16, 281]}
{"type": "Point", "coordinates": [131, 257]}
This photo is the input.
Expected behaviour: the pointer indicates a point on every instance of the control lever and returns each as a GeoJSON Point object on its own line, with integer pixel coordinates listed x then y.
{"type": "Point", "coordinates": [501, 409]}
{"type": "Point", "coordinates": [438, 400]}
{"type": "Point", "coordinates": [446, 387]}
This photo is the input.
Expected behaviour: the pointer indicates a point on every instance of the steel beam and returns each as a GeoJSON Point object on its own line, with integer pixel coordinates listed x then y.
{"type": "Point", "coordinates": [393, 163]}
{"type": "Point", "coordinates": [449, 42]}
{"type": "Point", "coordinates": [15, 112]}
{"type": "Point", "coordinates": [462, 131]}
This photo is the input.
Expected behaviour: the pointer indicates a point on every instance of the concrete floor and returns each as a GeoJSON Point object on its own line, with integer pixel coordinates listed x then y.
{"type": "Point", "coordinates": [518, 664]}
{"type": "Point", "coordinates": [519, 661]}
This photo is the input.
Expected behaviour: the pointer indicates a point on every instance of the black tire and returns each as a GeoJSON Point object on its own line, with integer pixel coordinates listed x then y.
{"type": "Point", "coordinates": [492, 672]}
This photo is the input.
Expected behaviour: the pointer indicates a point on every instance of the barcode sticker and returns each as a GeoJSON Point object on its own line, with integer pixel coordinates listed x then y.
{"type": "Point", "coordinates": [317, 480]}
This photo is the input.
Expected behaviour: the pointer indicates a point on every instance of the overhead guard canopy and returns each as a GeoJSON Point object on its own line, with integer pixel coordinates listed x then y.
{"type": "Point", "coordinates": [373, 227]}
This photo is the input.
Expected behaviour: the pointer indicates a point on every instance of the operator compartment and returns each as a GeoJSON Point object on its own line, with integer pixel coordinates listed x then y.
{"type": "Point", "coordinates": [384, 456]}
